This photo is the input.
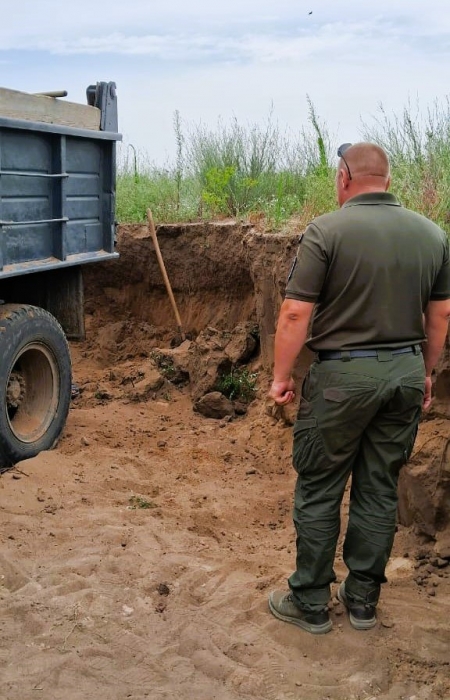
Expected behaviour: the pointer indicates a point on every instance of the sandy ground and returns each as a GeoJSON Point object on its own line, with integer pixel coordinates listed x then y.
{"type": "Point", "coordinates": [137, 558]}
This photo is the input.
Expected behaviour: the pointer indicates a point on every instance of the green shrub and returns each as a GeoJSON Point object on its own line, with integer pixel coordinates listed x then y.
{"type": "Point", "coordinates": [137, 502]}
{"type": "Point", "coordinates": [164, 364]}
{"type": "Point", "coordinates": [238, 384]}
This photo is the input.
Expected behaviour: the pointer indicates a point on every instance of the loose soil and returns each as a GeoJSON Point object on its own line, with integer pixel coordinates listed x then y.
{"type": "Point", "coordinates": [138, 555]}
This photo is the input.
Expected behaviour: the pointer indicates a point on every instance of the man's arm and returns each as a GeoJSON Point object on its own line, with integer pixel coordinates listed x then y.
{"type": "Point", "coordinates": [437, 316]}
{"type": "Point", "coordinates": [290, 337]}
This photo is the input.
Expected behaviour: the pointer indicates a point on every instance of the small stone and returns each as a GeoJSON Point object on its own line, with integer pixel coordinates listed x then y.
{"type": "Point", "coordinates": [431, 591]}
{"type": "Point", "coordinates": [240, 407]}
{"type": "Point", "coordinates": [161, 443]}
{"type": "Point", "coordinates": [127, 610]}
{"type": "Point", "coordinates": [214, 405]}
{"type": "Point", "coordinates": [163, 589]}
{"type": "Point", "coordinates": [421, 554]}
{"type": "Point", "coordinates": [442, 548]}
{"type": "Point", "coordinates": [261, 585]}
{"type": "Point", "coordinates": [84, 441]}
{"type": "Point", "coordinates": [387, 623]}
{"type": "Point", "coordinates": [442, 563]}
{"type": "Point", "coordinates": [251, 471]}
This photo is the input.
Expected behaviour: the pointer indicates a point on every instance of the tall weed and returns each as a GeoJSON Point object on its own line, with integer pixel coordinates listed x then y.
{"type": "Point", "coordinates": [418, 145]}
{"type": "Point", "coordinates": [240, 170]}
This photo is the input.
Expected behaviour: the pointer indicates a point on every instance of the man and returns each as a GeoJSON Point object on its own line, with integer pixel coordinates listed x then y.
{"type": "Point", "coordinates": [378, 279]}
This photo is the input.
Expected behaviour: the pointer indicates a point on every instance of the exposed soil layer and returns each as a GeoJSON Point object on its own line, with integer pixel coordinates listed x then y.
{"type": "Point", "coordinates": [137, 556]}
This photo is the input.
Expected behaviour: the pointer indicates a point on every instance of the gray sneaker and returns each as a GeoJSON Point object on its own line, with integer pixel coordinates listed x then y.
{"type": "Point", "coordinates": [362, 616]}
{"type": "Point", "coordinates": [281, 604]}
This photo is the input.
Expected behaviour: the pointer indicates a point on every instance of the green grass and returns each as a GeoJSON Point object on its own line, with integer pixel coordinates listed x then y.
{"type": "Point", "coordinates": [137, 502]}
{"type": "Point", "coordinates": [243, 171]}
{"type": "Point", "coordinates": [239, 384]}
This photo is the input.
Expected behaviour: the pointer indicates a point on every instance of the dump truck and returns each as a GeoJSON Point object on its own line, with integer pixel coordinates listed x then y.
{"type": "Point", "coordinates": [57, 214]}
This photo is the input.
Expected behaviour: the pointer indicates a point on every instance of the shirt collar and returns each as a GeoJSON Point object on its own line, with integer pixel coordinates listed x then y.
{"type": "Point", "coordinates": [373, 198]}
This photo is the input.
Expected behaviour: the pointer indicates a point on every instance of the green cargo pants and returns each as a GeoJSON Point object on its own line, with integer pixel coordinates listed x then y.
{"type": "Point", "coordinates": [357, 417]}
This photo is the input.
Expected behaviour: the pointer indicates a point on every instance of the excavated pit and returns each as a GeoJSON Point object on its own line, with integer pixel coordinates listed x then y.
{"type": "Point", "coordinates": [224, 275]}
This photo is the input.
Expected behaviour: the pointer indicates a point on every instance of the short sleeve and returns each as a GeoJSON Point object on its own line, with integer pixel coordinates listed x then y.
{"type": "Point", "coordinates": [310, 267]}
{"type": "Point", "coordinates": [441, 287]}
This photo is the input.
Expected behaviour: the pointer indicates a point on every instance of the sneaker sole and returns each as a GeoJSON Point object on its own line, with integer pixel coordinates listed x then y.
{"type": "Point", "coordinates": [355, 623]}
{"type": "Point", "coordinates": [308, 627]}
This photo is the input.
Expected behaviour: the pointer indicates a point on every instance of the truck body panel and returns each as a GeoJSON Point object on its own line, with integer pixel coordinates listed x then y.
{"type": "Point", "coordinates": [57, 193]}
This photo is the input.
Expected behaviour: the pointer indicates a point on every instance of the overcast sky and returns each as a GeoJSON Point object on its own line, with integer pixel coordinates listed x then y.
{"type": "Point", "coordinates": [211, 59]}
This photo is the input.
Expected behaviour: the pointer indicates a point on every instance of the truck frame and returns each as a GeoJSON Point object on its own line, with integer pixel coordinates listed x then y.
{"type": "Point", "coordinates": [57, 213]}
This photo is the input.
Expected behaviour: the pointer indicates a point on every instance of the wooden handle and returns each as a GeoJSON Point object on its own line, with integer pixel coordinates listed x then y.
{"type": "Point", "coordinates": [52, 93]}
{"type": "Point", "coordinates": [151, 226]}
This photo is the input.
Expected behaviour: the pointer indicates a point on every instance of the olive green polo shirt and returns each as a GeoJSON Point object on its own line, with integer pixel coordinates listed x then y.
{"type": "Point", "coordinates": [371, 268]}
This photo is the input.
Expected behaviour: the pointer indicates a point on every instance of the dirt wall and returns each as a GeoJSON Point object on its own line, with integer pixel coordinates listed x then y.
{"type": "Point", "coordinates": [221, 274]}
{"type": "Point", "coordinates": [208, 271]}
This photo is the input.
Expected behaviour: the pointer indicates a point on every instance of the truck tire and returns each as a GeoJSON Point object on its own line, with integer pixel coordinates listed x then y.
{"type": "Point", "coordinates": [35, 382]}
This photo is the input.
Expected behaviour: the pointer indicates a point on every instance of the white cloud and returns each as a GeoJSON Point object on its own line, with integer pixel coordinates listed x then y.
{"type": "Point", "coordinates": [210, 59]}
{"type": "Point", "coordinates": [350, 38]}
{"type": "Point", "coordinates": [77, 25]}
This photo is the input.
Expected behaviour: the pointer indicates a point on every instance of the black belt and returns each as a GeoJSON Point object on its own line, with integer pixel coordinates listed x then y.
{"type": "Point", "coordinates": [350, 354]}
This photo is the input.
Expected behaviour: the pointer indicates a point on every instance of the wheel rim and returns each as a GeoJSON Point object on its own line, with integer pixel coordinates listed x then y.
{"type": "Point", "coordinates": [32, 392]}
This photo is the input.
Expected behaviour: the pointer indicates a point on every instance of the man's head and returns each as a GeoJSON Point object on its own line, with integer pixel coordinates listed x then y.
{"type": "Point", "coordinates": [362, 168]}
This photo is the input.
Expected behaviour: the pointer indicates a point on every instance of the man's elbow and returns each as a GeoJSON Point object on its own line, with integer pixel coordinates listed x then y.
{"type": "Point", "coordinates": [296, 311]}
{"type": "Point", "coordinates": [438, 311]}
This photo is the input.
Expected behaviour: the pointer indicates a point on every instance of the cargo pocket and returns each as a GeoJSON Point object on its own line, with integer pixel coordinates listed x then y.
{"type": "Point", "coordinates": [307, 449]}
{"type": "Point", "coordinates": [413, 391]}
{"type": "Point", "coordinates": [410, 445]}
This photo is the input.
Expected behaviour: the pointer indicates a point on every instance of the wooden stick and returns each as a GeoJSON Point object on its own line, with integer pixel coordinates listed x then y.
{"type": "Point", "coordinates": [151, 226]}
{"type": "Point", "coordinates": [52, 93]}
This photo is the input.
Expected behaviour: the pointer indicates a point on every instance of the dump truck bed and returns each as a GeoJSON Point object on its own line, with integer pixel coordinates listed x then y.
{"type": "Point", "coordinates": [57, 186]}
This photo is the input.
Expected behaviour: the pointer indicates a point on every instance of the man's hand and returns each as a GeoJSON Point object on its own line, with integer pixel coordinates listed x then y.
{"type": "Point", "coordinates": [427, 399]}
{"type": "Point", "coordinates": [282, 392]}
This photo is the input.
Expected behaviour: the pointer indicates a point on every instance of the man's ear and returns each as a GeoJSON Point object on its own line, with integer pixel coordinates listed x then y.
{"type": "Point", "coordinates": [343, 174]}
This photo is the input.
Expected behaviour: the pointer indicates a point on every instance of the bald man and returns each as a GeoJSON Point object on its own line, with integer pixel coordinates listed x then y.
{"type": "Point", "coordinates": [371, 272]}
